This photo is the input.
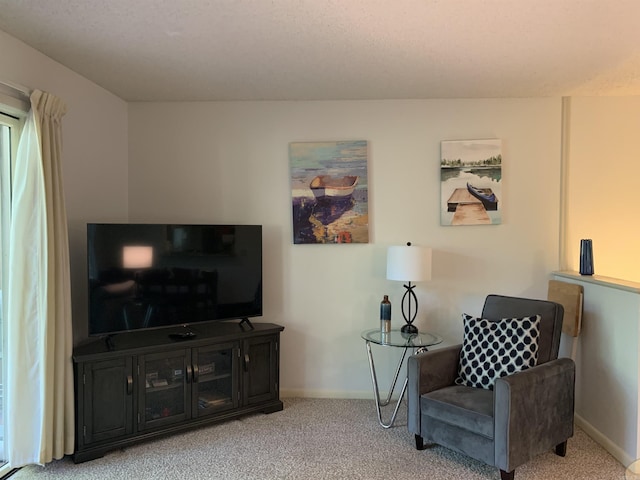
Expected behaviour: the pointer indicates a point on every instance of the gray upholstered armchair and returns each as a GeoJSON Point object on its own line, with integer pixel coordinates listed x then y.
{"type": "Point", "coordinates": [516, 418]}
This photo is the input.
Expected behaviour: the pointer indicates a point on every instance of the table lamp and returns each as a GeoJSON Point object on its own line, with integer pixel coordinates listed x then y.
{"type": "Point", "coordinates": [409, 264]}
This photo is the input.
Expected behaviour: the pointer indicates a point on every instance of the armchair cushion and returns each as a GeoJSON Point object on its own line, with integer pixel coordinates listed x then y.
{"type": "Point", "coordinates": [465, 407]}
{"type": "Point", "coordinates": [494, 349]}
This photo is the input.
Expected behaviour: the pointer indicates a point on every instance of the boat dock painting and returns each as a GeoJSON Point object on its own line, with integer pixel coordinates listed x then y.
{"type": "Point", "coordinates": [471, 182]}
{"type": "Point", "coordinates": [329, 192]}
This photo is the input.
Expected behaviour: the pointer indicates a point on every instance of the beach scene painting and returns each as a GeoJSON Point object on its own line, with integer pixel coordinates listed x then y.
{"type": "Point", "coordinates": [329, 192]}
{"type": "Point", "coordinates": [471, 182]}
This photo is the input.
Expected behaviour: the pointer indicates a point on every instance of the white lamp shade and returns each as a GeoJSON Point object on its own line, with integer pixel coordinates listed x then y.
{"type": "Point", "coordinates": [409, 263]}
{"type": "Point", "coordinates": [137, 257]}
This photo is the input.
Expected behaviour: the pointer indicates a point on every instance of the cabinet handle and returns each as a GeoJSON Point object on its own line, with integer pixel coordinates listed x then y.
{"type": "Point", "coordinates": [129, 384]}
{"type": "Point", "coordinates": [188, 373]}
{"type": "Point", "coordinates": [196, 370]}
{"type": "Point", "coordinates": [246, 362]}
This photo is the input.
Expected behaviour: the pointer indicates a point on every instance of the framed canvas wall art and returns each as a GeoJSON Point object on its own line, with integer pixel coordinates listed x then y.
{"type": "Point", "coordinates": [471, 182]}
{"type": "Point", "coordinates": [329, 192]}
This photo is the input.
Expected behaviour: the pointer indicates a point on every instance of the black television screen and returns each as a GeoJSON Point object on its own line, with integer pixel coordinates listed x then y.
{"type": "Point", "coordinates": [159, 275]}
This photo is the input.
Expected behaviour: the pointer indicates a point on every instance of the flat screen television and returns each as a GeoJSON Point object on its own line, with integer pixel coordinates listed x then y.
{"type": "Point", "coordinates": [160, 275]}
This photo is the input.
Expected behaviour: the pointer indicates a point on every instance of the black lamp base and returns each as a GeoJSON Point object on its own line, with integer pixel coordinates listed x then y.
{"type": "Point", "coordinates": [409, 328]}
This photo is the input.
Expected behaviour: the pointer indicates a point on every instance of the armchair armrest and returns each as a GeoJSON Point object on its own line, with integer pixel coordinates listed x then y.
{"type": "Point", "coordinates": [426, 372]}
{"type": "Point", "coordinates": [533, 411]}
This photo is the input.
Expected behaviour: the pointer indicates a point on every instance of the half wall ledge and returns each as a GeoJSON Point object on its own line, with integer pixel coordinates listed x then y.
{"type": "Point", "coordinates": [625, 285]}
{"type": "Point", "coordinates": [608, 363]}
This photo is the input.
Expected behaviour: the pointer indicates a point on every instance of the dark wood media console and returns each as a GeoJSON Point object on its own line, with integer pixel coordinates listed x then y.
{"type": "Point", "coordinates": [146, 384]}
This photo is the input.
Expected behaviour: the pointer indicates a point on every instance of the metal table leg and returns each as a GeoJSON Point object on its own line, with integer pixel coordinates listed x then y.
{"type": "Point", "coordinates": [376, 391]}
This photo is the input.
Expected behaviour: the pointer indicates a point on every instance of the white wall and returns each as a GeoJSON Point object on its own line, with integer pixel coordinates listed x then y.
{"type": "Point", "coordinates": [607, 364]}
{"type": "Point", "coordinates": [228, 162]}
{"type": "Point", "coordinates": [95, 132]}
{"type": "Point", "coordinates": [602, 171]}
{"type": "Point", "coordinates": [602, 187]}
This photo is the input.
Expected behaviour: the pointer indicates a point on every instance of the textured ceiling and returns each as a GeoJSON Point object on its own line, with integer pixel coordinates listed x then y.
{"type": "Point", "coordinates": [152, 50]}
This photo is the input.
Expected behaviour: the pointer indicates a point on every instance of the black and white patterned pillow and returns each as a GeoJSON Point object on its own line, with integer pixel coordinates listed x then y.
{"type": "Point", "coordinates": [494, 349]}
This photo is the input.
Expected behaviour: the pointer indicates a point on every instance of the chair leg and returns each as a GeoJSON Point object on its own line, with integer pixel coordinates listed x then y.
{"type": "Point", "coordinates": [561, 449]}
{"type": "Point", "coordinates": [419, 442]}
{"type": "Point", "coordinates": [507, 475]}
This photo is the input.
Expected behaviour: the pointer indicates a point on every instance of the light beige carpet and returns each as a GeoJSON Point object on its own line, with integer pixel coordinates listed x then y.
{"type": "Point", "coordinates": [316, 439]}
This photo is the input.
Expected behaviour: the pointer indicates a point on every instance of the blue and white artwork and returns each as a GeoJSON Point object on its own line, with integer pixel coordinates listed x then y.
{"type": "Point", "coordinates": [471, 182]}
{"type": "Point", "coordinates": [329, 192]}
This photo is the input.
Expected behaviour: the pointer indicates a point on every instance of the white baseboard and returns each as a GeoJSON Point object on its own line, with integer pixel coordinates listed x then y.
{"type": "Point", "coordinates": [306, 393]}
{"type": "Point", "coordinates": [615, 450]}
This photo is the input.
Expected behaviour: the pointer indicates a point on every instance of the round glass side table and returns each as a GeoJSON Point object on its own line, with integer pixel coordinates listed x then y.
{"type": "Point", "coordinates": [398, 339]}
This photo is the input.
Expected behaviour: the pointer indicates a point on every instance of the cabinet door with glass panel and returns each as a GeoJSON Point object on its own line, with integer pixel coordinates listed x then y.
{"type": "Point", "coordinates": [215, 379]}
{"type": "Point", "coordinates": [164, 388]}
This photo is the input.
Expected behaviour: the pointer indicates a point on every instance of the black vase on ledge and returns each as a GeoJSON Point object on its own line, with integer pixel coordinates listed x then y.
{"type": "Point", "coordinates": [586, 257]}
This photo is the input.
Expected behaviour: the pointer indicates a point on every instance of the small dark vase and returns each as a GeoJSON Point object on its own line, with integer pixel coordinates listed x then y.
{"type": "Point", "coordinates": [586, 257]}
{"type": "Point", "coordinates": [385, 315]}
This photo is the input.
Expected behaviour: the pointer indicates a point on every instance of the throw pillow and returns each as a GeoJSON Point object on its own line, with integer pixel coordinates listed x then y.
{"type": "Point", "coordinates": [494, 349]}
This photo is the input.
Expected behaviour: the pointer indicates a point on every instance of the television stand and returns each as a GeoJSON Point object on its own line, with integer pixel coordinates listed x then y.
{"type": "Point", "coordinates": [183, 335]}
{"type": "Point", "coordinates": [148, 385]}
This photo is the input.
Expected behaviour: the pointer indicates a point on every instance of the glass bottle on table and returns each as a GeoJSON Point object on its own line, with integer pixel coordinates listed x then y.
{"type": "Point", "coordinates": [385, 315]}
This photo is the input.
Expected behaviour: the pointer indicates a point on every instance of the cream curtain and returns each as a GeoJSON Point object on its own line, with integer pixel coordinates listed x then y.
{"type": "Point", "coordinates": [39, 389]}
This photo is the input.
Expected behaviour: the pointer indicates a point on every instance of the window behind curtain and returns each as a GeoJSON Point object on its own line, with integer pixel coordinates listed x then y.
{"type": "Point", "coordinates": [10, 127]}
